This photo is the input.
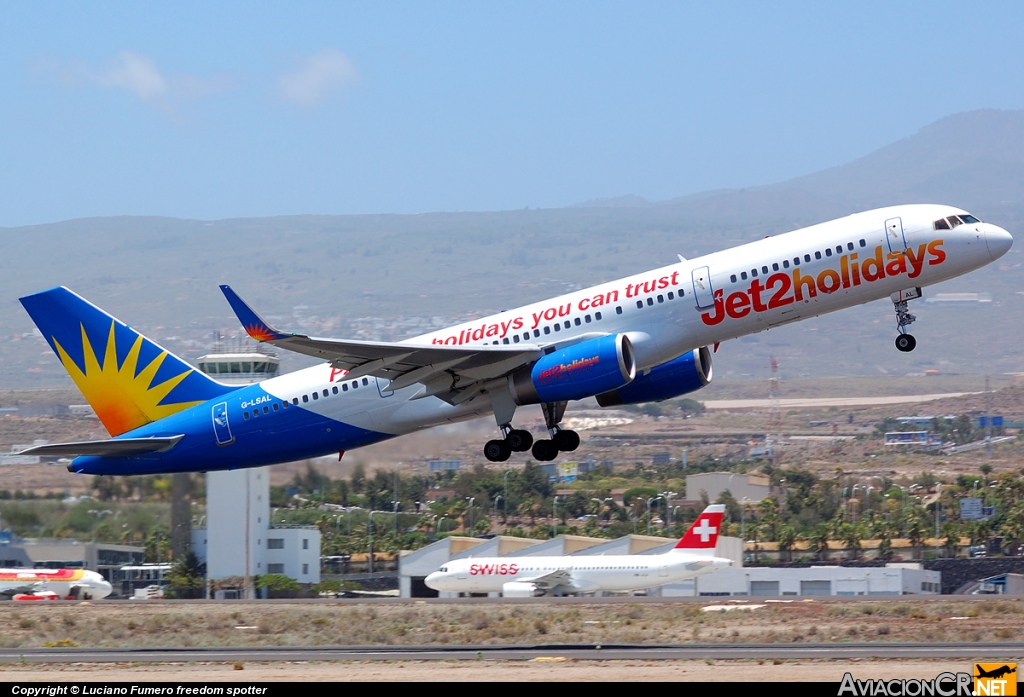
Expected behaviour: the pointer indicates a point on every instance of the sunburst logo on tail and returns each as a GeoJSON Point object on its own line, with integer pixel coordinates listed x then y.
{"type": "Point", "coordinates": [261, 332]}
{"type": "Point", "coordinates": [123, 397]}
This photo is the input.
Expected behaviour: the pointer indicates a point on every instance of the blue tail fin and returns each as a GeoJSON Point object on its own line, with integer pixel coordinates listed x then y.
{"type": "Point", "coordinates": [129, 380]}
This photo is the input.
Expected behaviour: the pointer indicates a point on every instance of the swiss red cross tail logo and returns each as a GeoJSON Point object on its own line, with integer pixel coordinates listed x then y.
{"type": "Point", "coordinates": [703, 534]}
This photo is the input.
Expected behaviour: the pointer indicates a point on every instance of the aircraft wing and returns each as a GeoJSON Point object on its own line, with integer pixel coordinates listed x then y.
{"type": "Point", "coordinates": [11, 590]}
{"type": "Point", "coordinates": [114, 447]}
{"type": "Point", "coordinates": [443, 369]}
{"type": "Point", "coordinates": [550, 581]}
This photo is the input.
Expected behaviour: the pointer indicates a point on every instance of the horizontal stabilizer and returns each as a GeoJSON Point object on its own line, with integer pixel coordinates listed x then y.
{"type": "Point", "coordinates": [117, 447]}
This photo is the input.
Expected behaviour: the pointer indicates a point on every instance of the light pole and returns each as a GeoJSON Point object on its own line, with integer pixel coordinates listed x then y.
{"type": "Point", "coordinates": [504, 506]}
{"type": "Point", "coordinates": [395, 516]}
{"type": "Point", "coordinates": [743, 519]}
{"type": "Point", "coordinates": [554, 516]}
{"type": "Point", "coordinates": [938, 505]}
{"type": "Point", "coordinates": [600, 503]}
{"type": "Point", "coordinates": [653, 498]}
{"type": "Point", "coordinates": [471, 500]}
{"type": "Point", "coordinates": [96, 521]}
{"type": "Point", "coordinates": [440, 521]}
{"type": "Point", "coordinates": [496, 499]}
{"type": "Point", "coordinates": [666, 499]}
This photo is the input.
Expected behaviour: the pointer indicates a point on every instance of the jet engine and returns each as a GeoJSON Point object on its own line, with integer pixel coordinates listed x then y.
{"type": "Point", "coordinates": [687, 373]}
{"type": "Point", "coordinates": [574, 372]}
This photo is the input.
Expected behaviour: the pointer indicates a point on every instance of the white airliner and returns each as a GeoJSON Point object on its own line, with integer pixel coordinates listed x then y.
{"type": "Point", "coordinates": [639, 339]}
{"type": "Point", "coordinates": [524, 577]}
{"type": "Point", "coordinates": [53, 584]}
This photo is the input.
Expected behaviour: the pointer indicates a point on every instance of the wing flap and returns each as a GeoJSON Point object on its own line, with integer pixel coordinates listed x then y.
{"type": "Point", "coordinates": [116, 447]}
{"type": "Point", "coordinates": [550, 579]}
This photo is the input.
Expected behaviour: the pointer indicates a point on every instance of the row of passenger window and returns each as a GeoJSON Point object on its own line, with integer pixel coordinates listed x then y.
{"type": "Point", "coordinates": [650, 300]}
{"type": "Point", "coordinates": [796, 261]}
{"type": "Point", "coordinates": [277, 406]}
{"type": "Point", "coordinates": [557, 326]}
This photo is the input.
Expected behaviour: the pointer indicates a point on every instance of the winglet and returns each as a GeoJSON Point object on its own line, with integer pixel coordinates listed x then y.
{"type": "Point", "coordinates": [253, 324]}
{"type": "Point", "coordinates": [703, 534]}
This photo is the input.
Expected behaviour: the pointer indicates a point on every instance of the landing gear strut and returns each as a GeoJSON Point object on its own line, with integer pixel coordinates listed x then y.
{"type": "Point", "coordinates": [904, 342]}
{"type": "Point", "coordinates": [562, 440]}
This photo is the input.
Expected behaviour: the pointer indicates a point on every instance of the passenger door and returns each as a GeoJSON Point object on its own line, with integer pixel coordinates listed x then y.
{"type": "Point", "coordinates": [702, 289]}
{"type": "Point", "coordinates": [221, 426]}
{"type": "Point", "coordinates": [894, 235]}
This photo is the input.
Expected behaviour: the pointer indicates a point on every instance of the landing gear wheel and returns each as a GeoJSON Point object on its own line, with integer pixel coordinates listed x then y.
{"type": "Point", "coordinates": [905, 342]}
{"type": "Point", "coordinates": [497, 451]}
{"type": "Point", "coordinates": [566, 441]}
{"type": "Point", "coordinates": [544, 451]}
{"type": "Point", "coordinates": [519, 440]}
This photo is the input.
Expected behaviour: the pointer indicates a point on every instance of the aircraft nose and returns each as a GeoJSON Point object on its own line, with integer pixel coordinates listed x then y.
{"type": "Point", "coordinates": [432, 579]}
{"type": "Point", "coordinates": [998, 240]}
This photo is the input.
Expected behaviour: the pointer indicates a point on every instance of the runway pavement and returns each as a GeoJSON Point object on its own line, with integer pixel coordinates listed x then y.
{"type": "Point", "coordinates": [967, 650]}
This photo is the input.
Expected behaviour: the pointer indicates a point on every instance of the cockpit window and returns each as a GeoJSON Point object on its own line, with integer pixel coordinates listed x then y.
{"type": "Point", "coordinates": [954, 221]}
{"type": "Point", "coordinates": [443, 569]}
{"type": "Point", "coordinates": [941, 224]}
{"type": "Point", "coordinates": [969, 219]}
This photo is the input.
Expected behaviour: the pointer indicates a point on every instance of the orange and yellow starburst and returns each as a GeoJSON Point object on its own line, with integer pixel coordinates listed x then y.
{"type": "Point", "coordinates": [122, 400]}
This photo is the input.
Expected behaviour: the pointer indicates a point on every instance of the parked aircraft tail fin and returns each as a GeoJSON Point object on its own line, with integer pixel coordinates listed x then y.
{"type": "Point", "coordinates": [703, 534]}
{"type": "Point", "coordinates": [128, 380]}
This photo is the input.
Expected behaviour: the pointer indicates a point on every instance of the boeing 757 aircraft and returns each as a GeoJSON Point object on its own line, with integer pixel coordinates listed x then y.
{"type": "Point", "coordinates": [525, 577]}
{"type": "Point", "coordinates": [642, 338]}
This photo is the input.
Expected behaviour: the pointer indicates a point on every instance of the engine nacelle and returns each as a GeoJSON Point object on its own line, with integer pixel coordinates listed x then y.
{"type": "Point", "coordinates": [574, 372]}
{"type": "Point", "coordinates": [687, 373]}
{"type": "Point", "coordinates": [520, 589]}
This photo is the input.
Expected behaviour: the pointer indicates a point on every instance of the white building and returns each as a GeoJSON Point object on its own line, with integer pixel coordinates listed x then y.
{"type": "Point", "coordinates": [238, 531]}
{"type": "Point", "coordinates": [752, 487]}
{"type": "Point", "coordinates": [892, 579]}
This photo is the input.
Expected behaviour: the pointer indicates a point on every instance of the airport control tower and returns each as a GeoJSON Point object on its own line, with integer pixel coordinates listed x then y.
{"type": "Point", "coordinates": [239, 362]}
{"type": "Point", "coordinates": [237, 502]}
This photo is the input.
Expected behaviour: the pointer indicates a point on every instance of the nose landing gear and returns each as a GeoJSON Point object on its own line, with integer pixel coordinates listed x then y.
{"type": "Point", "coordinates": [904, 342]}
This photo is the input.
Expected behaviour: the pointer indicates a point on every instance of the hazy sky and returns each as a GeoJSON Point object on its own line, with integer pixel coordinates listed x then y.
{"type": "Point", "coordinates": [214, 110]}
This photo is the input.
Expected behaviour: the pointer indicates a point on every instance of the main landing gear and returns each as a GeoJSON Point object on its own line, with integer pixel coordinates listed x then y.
{"type": "Point", "coordinates": [904, 342]}
{"type": "Point", "coordinates": [562, 440]}
{"type": "Point", "coordinates": [515, 441]}
{"type": "Point", "coordinates": [519, 441]}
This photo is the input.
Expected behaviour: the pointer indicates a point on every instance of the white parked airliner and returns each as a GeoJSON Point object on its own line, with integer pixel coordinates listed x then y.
{"type": "Point", "coordinates": [639, 339]}
{"type": "Point", "coordinates": [53, 584]}
{"type": "Point", "coordinates": [525, 576]}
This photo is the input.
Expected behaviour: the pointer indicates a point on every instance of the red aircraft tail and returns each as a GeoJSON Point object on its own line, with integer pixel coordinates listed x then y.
{"type": "Point", "coordinates": [703, 534]}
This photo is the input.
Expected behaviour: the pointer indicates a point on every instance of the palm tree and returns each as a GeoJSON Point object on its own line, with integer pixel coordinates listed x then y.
{"type": "Point", "coordinates": [851, 535]}
{"type": "Point", "coordinates": [819, 541]}
{"type": "Point", "coordinates": [885, 548]}
{"type": "Point", "coordinates": [1013, 528]}
{"type": "Point", "coordinates": [915, 534]}
{"type": "Point", "coordinates": [185, 577]}
{"type": "Point", "coordinates": [787, 540]}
